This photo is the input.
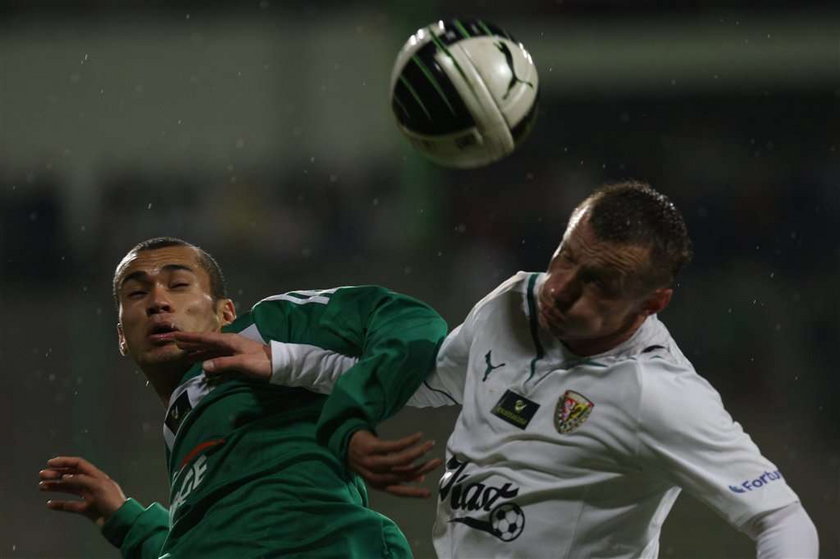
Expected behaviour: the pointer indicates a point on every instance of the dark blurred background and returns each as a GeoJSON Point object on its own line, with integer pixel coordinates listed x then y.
{"type": "Point", "coordinates": [261, 130]}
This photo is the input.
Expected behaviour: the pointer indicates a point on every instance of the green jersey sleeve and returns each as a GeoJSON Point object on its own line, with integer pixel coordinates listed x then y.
{"type": "Point", "coordinates": [138, 533]}
{"type": "Point", "coordinates": [394, 337]}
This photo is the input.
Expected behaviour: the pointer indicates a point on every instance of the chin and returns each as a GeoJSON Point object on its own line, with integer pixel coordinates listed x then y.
{"type": "Point", "coordinates": [160, 355]}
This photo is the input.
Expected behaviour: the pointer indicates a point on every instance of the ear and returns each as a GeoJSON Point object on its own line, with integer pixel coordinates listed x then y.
{"type": "Point", "coordinates": [657, 301]}
{"type": "Point", "coordinates": [225, 311]}
{"type": "Point", "coordinates": [121, 340]}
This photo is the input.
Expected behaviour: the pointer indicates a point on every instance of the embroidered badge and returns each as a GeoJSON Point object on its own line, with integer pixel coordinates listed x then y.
{"type": "Point", "coordinates": [515, 409]}
{"type": "Point", "coordinates": [179, 408]}
{"type": "Point", "coordinates": [572, 410]}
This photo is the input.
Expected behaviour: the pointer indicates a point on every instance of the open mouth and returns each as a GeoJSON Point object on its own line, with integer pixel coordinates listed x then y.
{"type": "Point", "coordinates": [161, 332]}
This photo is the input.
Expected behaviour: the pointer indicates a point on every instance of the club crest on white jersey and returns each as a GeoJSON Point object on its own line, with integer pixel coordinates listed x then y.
{"type": "Point", "coordinates": [571, 411]}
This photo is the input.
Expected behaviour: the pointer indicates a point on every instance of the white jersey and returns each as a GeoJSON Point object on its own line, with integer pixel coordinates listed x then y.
{"type": "Point", "coordinates": [556, 455]}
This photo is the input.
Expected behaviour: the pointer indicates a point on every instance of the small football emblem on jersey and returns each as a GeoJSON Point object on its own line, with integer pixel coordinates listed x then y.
{"type": "Point", "coordinates": [572, 410]}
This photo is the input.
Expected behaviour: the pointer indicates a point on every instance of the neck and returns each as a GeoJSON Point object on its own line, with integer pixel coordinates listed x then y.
{"type": "Point", "coordinates": [587, 348]}
{"type": "Point", "coordinates": [164, 378]}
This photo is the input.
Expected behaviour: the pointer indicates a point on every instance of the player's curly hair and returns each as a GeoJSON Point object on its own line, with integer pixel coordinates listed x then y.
{"type": "Point", "coordinates": [632, 212]}
{"type": "Point", "coordinates": [218, 288]}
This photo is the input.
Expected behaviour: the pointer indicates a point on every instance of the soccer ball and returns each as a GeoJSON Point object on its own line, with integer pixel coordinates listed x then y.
{"type": "Point", "coordinates": [464, 92]}
{"type": "Point", "coordinates": [507, 521]}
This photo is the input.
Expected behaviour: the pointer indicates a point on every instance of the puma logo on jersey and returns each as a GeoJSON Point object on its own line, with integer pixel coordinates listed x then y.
{"type": "Point", "coordinates": [490, 366]}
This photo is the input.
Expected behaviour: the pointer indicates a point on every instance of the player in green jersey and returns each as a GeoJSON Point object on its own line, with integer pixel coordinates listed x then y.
{"type": "Point", "coordinates": [258, 469]}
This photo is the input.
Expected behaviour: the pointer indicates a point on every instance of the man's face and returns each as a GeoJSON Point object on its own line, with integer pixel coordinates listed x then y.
{"type": "Point", "coordinates": [593, 297]}
{"type": "Point", "coordinates": [160, 291]}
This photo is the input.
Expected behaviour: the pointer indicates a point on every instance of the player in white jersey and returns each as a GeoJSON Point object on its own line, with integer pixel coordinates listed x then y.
{"type": "Point", "coordinates": [581, 419]}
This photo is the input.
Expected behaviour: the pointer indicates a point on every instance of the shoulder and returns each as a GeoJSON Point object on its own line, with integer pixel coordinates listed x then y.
{"type": "Point", "coordinates": [516, 288]}
{"type": "Point", "coordinates": [674, 399]}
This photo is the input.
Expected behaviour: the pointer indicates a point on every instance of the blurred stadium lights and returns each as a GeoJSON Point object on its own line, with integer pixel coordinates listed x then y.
{"type": "Point", "coordinates": [697, 54]}
{"type": "Point", "coordinates": [83, 97]}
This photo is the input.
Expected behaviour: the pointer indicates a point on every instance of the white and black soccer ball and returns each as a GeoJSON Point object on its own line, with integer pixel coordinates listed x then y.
{"type": "Point", "coordinates": [507, 521]}
{"type": "Point", "coordinates": [464, 92]}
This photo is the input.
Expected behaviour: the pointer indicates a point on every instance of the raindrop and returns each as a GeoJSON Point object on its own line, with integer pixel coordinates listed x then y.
{"type": "Point", "coordinates": [407, 270]}
{"type": "Point", "coordinates": [375, 201]}
{"type": "Point", "coordinates": [149, 207]}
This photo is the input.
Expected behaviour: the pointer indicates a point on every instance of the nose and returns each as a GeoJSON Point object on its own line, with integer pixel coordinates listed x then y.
{"type": "Point", "coordinates": [159, 301]}
{"type": "Point", "coordinates": [563, 290]}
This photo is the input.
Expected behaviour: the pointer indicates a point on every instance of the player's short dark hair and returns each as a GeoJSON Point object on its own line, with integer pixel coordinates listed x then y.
{"type": "Point", "coordinates": [218, 288]}
{"type": "Point", "coordinates": [632, 212]}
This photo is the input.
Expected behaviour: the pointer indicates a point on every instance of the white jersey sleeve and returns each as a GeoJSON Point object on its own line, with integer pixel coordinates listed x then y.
{"type": "Point", "coordinates": [318, 369]}
{"type": "Point", "coordinates": [687, 434]}
{"type": "Point", "coordinates": [787, 532]}
{"type": "Point", "coordinates": [307, 366]}
{"type": "Point", "coordinates": [445, 386]}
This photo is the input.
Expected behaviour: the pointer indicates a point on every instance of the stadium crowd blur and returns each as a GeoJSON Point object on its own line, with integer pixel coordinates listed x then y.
{"type": "Point", "coordinates": [754, 167]}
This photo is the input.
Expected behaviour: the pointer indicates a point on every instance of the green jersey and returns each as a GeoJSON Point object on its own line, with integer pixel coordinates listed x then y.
{"type": "Point", "coordinates": [258, 469]}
